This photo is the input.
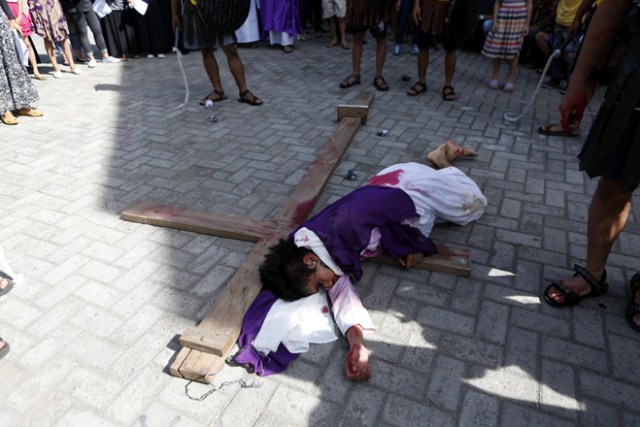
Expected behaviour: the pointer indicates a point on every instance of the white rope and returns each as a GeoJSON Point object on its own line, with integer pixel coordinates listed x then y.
{"type": "Point", "coordinates": [184, 75]}
{"type": "Point", "coordinates": [511, 118]}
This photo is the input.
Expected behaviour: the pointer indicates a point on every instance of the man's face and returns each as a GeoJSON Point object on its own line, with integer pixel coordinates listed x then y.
{"type": "Point", "coordinates": [322, 277]}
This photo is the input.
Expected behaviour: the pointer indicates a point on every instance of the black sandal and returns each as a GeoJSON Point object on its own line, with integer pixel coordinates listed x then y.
{"type": "Point", "coordinates": [572, 298]}
{"type": "Point", "coordinates": [380, 84]}
{"type": "Point", "coordinates": [220, 97]}
{"type": "Point", "coordinates": [417, 89]}
{"type": "Point", "coordinates": [253, 100]}
{"type": "Point", "coordinates": [634, 309]}
{"type": "Point", "coordinates": [352, 80]}
{"type": "Point", "coordinates": [448, 94]}
{"type": "Point", "coordinates": [9, 285]}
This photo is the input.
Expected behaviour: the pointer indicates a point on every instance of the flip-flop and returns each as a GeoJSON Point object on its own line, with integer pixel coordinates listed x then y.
{"type": "Point", "coordinates": [546, 130]}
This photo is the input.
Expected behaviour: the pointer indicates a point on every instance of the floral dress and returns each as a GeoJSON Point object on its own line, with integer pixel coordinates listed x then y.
{"type": "Point", "coordinates": [16, 89]}
{"type": "Point", "coordinates": [48, 20]}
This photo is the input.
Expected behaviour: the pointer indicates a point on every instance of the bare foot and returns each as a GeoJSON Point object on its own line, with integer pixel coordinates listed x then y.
{"type": "Point", "coordinates": [446, 153]}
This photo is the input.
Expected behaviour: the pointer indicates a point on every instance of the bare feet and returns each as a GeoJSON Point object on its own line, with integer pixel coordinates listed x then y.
{"type": "Point", "coordinates": [446, 153]}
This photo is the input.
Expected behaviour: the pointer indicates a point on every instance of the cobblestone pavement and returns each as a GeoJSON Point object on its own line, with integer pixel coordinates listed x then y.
{"type": "Point", "coordinates": [94, 325]}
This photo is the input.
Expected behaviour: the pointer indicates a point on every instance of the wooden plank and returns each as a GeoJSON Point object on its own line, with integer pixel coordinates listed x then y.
{"type": "Point", "coordinates": [355, 111]}
{"type": "Point", "coordinates": [222, 225]}
{"type": "Point", "coordinates": [304, 197]}
{"type": "Point", "coordinates": [358, 108]}
{"type": "Point", "coordinates": [218, 331]}
{"type": "Point", "coordinates": [449, 259]}
{"type": "Point", "coordinates": [196, 365]}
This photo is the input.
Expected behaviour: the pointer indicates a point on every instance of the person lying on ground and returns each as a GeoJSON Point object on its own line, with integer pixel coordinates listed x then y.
{"type": "Point", "coordinates": [394, 213]}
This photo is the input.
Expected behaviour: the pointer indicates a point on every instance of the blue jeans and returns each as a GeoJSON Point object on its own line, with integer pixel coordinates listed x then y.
{"type": "Point", "coordinates": [563, 64]}
{"type": "Point", "coordinates": [406, 7]}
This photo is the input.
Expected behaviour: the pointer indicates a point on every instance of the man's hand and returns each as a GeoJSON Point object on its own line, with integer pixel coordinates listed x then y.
{"type": "Point", "coordinates": [175, 22]}
{"type": "Point", "coordinates": [416, 15]}
{"type": "Point", "coordinates": [357, 366]}
{"type": "Point", "coordinates": [572, 108]}
{"type": "Point", "coordinates": [411, 260]}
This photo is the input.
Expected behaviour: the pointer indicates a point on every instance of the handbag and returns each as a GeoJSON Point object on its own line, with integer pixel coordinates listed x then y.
{"type": "Point", "coordinates": [21, 48]}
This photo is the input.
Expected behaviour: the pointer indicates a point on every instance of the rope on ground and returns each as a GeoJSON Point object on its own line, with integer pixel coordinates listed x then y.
{"type": "Point", "coordinates": [184, 75]}
{"type": "Point", "coordinates": [242, 382]}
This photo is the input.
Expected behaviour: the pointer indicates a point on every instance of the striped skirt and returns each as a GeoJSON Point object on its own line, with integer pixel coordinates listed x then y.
{"type": "Point", "coordinates": [506, 41]}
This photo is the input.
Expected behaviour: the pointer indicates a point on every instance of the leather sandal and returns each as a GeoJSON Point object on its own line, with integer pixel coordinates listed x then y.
{"type": "Point", "coordinates": [571, 298]}
{"type": "Point", "coordinates": [417, 89]}
{"type": "Point", "coordinates": [5, 349]}
{"type": "Point", "coordinates": [251, 99]}
{"type": "Point", "coordinates": [9, 286]}
{"type": "Point", "coordinates": [220, 96]}
{"type": "Point", "coordinates": [380, 84]}
{"type": "Point", "coordinates": [352, 80]}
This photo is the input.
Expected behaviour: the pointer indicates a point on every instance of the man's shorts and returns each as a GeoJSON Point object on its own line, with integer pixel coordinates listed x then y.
{"type": "Point", "coordinates": [331, 8]}
{"type": "Point", "coordinates": [197, 36]}
{"type": "Point", "coordinates": [429, 40]}
{"type": "Point", "coordinates": [378, 31]}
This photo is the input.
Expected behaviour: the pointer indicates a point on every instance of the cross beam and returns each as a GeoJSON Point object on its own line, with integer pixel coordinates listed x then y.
{"type": "Point", "coordinates": [206, 345]}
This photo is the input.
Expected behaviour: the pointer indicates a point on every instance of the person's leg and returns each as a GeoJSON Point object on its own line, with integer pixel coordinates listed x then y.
{"type": "Point", "coordinates": [342, 27]}
{"type": "Point", "coordinates": [608, 214]}
{"type": "Point", "coordinates": [333, 27]}
{"type": "Point", "coordinates": [66, 48]}
{"type": "Point", "coordinates": [423, 64]}
{"type": "Point", "coordinates": [542, 43]}
{"type": "Point", "coordinates": [211, 67]}
{"type": "Point", "coordinates": [513, 66]}
{"type": "Point", "coordinates": [495, 69]}
{"type": "Point", "coordinates": [381, 54]}
{"type": "Point", "coordinates": [94, 24]}
{"type": "Point", "coordinates": [82, 31]}
{"type": "Point", "coordinates": [450, 58]}
{"type": "Point", "coordinates": [356, 54]}
{"type": "Point", "coordinates": [237, 71]}
{"type": "Point", "coordinates": [32, 59]}
{"type": "Point", "coordinates": [51, 52]}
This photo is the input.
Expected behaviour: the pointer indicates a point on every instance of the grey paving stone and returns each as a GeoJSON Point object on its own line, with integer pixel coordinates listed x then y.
{"type": "Point", "coordinates": [104, 299]}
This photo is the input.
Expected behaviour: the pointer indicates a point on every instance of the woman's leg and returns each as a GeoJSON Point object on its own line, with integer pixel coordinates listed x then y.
{"type": "Point", "coordinates": [51, 51]}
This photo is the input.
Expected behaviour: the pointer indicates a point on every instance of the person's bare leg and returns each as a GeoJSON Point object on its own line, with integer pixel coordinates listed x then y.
{"type": "Point", "coordinates": [542, 41]}
{"type": "Point", "coordinates": [333, 27]}
{"type": "Point", "coordinates": [513, 67]}
{"type": "Point", "coordinates": [342, 27]}
{"type": "Point", "coordinates": [235, 66]}
{"type": "Point", "coordinates": [450, 59]}
{"type": "Point", "coordinates": [381, 54]}
{"type": "Point", "coordinates": [446, 153]}
{"type": "Point", "coordinates": [356, 53]}
{"type": "Point", "coordinates": [51, 52]}
{"type": "Point", "coordinates": [32, 60]}
{"type": "Point", "coordinates": [423, 63]}
{"type": "Point", "coordinates": [608, 214]}
{"type": "Point", "coordinates": [495, 69]}
{"type": "Point", "coordinates": [211, 67]}
{"type": "Point", "coordinates": [66, 48]}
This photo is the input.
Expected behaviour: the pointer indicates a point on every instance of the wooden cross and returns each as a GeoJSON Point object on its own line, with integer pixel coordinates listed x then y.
{"type": "Point", "coordinates": [206, 346]}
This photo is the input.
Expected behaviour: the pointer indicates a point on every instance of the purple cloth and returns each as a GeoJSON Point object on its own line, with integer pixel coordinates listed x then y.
{"type": "Point", "coordinates": [263, 365]}
{"type": "Point", "coordinates": [281, 16]}
{"type": "Point", "coordinates": [345, 226]}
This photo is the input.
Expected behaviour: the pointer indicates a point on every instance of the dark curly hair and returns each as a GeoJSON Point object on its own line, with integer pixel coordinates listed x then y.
{"type": "Point", "coordinates": [283, 271]}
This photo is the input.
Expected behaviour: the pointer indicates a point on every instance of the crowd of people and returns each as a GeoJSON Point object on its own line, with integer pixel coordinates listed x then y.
{"type": "Point", "coordinates": [511, 29]}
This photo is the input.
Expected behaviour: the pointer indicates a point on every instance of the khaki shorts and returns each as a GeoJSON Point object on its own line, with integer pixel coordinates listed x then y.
{"type": "Point", "coordinates": [331, 8]}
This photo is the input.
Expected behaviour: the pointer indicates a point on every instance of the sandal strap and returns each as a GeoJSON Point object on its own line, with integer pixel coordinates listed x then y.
{"type": "Point", "coordinates": [597, 287]}
{"type": "Point", "coordinates": [570, 296]}
{"type": "Point", "coordinates": [633, 309]}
